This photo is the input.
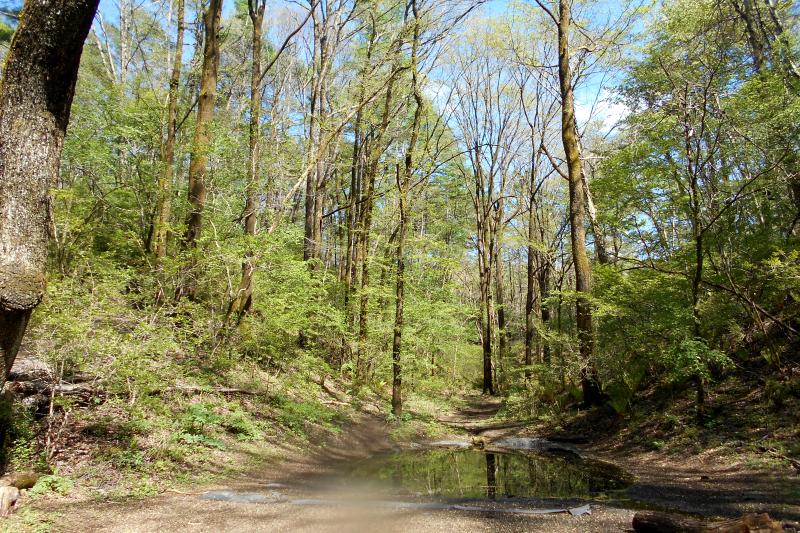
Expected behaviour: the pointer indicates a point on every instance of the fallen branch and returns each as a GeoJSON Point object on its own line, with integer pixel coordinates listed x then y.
{"type": "Point", "coordinates": [197, 389]}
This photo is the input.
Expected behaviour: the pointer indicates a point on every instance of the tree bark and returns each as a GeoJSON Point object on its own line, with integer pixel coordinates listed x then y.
{"type": "Point", "coordinates": [544, 292]}
{"type": "Point", "coordinates": [599, 236]}
{"type": "Point", "coordinates": [569, 136]}
{"type": "Point", "coordinates": [365, 225]}
{"type": "Point", "coordinates": [326, 34]}
{"type": "Point", "coordinates": [500, 308]}
{"type": "Point", "coordinates": [244, 295]}
{"type": "Point", "coordinates": [530, 301]}
{"type": "Point", "coordinates": [486, 310]}
{"type": "Point", "coordinates": [403, 186]}
{"type": "Point", "coordinates": [35, 98]}
{"type": "Point", "coordinates": [745, 12]}
{"type": "Point", "coordinates": [164, 208]}
{"type": "Point", "coordinates": [202, 136]}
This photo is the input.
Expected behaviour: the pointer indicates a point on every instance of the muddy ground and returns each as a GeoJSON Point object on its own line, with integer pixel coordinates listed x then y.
{"type": "Point", "coordinates": [703, 484]}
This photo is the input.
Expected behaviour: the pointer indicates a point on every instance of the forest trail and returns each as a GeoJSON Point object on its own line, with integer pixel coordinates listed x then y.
{"type": "Point", "coordinates": [475, 416]}
{"type": "Point", "coordinates": [310, 493]}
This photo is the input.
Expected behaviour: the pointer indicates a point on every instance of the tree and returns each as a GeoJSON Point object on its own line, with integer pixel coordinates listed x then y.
{"type": "Point", "coordinates": [201, 142]}
{"type": "Point", "coordinates": [577, 203]}
{"type": "Point", "coordinates": [538, 265]}
{"type": "Point", "coordinates": [35, 99]}
{"type": "Point", "coordinates": [164, 205]}
{"type": "Point", "coordinates": [244, 295]}
{"type": "Point", "coordinates": [403, 186]}
{"type": "Point", "coordinates": [488, 122]}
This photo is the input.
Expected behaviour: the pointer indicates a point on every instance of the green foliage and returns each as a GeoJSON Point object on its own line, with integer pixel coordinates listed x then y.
{"type": "Point", "coordinates": [779, 392]}
{"type": "Point", "coordinates": [20, 448]}
{"type": "Point", "coordinates": [197, 422]}
{"type": "Point", "coordinates": [705, 161]}
{"type": "Point", "coordinates": [693, 357]}
{"type": "Point", "coordinates": [6, 32]}
{"type": "Point", "coordinates": [295, 415]}
{"type": "Point", "coordinates": [242, 426]}
{"type": "Point", "coordinates": [52, 483]}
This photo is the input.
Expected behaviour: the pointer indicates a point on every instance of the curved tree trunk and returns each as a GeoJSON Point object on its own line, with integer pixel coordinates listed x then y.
{"type": "Point", "coordinates": [35, 99]}
{"type": "Point", "coordinates": [202, 136]}
{"type": "Point", "coordinates": [569, 137]}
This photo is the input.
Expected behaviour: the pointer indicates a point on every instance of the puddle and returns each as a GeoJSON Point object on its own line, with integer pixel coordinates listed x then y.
{"type": "Point", "coordinates": [450, 444]}
{"type": "Point", "coordinates": [240, 496]}
{"type": "Point", "coordinates": [458, 473]}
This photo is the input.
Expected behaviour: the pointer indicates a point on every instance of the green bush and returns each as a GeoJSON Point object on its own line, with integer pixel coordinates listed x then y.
{"type": "Point", "coordinates": [52, 483]}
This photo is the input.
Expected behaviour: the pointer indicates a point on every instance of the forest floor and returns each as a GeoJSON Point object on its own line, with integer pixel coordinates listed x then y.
{"type": "Point", "coordinates": [299, 492]}
{"type": "Point", "coordinates": [309, 476]}
{"type": "Point", "coordinates": [300, 487]}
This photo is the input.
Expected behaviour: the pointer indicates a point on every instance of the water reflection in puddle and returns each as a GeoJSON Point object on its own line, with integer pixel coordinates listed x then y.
{"type": "Point", "coordinates": [483, 474]}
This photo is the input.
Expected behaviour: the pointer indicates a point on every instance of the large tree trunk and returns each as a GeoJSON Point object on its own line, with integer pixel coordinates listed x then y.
{"type": "Point", "coordinates": [745, 12]}
{"type": "Point", "coordinates": [486, 311]}
{"type": "Point", "coordinates": [164, 208]}
{"type": "Point", "coordinates": [365, 227]}
{"type": "Point", "coordinates": [544, 292]}
{"type": "Point", "coordinates": [697, 280]}
{"type": "Point", "coordinates": [310, 249]}
{"type": "Point", "coordinates": [324, 31]}
{"type": "Point", "coordinates": [202, 138]}
{"type": "Point", "coordinates": [352, 218]}
{"type": "Point", "coordinates": [569, 137]}
{"type": "Point", "coordinates": [244, 295]}
{"type": "Point", "coordinates": [35, 99]}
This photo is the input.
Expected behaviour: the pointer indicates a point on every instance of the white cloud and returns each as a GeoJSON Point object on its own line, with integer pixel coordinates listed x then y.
{"type": "Point", "coordinates": [603, 109]}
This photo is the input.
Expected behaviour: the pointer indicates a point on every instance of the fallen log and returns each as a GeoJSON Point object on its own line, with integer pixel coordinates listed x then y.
{"type": "Point", "coordinates": [196, 389]}
{"type": "Point", "coordinates": [657, 522]}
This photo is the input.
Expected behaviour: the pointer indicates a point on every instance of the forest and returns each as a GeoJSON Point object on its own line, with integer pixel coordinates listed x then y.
{"type": "Point", "coordinates": [233, 231]}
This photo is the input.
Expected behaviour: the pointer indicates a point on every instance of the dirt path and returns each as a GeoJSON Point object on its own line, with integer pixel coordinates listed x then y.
{"type": "Point", "coordinates": [330, 506]}
{"type": "Point", "coordinates": [306, 493]}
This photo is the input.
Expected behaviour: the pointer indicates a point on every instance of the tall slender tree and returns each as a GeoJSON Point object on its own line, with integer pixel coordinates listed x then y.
{"type": "Point", "coordinates": [577, 204]}
{"type": "Point", "coordinates": [164, 206]}
{"type": "Point", "coordinates": [201, 140]}
{"type": "Point", "coordinates": [403, 186]}
{"type": "Point", "coordinates": [244, 295]}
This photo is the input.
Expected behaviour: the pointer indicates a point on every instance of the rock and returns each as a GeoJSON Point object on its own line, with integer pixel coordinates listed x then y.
{"type": "Point", "coordinates": [23, 480]}
{"type": "Point", "coordinates": [478, 442]}
{"type": "Point", "coordinates": [8, 499]}
{"type": "Point", "coordinates": [533, 444]}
